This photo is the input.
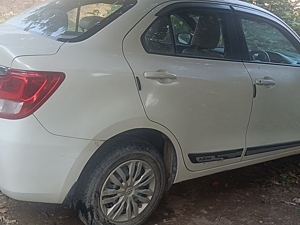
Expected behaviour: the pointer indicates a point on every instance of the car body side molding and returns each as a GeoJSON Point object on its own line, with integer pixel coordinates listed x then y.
{"type": "Point", "coordinates": [269, 148]}
{"type": "Point", "coordinates": [229, 154]}
{"type": "Point", "coordinates": [215, 156]}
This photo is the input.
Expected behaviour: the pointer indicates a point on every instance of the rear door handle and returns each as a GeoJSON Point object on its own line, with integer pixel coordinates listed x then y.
{"type": "Point", "coordinates": [265, 82]}
{"type": "Point", "coordinates": [160, 75]}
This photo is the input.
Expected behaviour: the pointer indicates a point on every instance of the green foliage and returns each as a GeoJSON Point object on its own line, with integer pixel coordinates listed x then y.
{"type": "Point", "coordinates": [269, 40]}
{"type": "Point", "coordinates": [287, 10]}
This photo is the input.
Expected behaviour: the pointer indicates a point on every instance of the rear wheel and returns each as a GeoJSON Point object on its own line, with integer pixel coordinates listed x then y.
{"type": "Point", "coordinates": [121, 184]}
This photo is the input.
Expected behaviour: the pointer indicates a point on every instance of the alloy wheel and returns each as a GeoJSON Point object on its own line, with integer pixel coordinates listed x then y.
{"type": "Point", "coordinates": [127, 191]}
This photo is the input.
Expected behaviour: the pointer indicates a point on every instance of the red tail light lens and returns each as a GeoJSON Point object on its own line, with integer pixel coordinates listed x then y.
{"type": "Point", "coordinates": [23, 92]}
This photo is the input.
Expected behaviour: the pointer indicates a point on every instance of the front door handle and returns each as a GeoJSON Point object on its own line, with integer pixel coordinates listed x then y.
{"type": "Point", "coordinates": [265, 82]}
{"type": "Point", "coordinates": [160, 75]}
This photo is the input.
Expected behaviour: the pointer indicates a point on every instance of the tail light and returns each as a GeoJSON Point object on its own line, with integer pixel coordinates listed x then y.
{"type": "Point", "coordinates": [23, 92]}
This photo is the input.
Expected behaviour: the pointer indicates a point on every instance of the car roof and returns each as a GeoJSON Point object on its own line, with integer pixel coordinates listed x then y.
{"type": "Point", "coordinates": [229, 2]}
{"type": "Point", "coordinates": [233, 3]}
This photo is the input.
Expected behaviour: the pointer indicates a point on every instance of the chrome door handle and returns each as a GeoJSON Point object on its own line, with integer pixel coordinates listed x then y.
{"type": "Point", "coordinates": [265, 82]}
{"type": "Point", "coordinates": [160, 75]}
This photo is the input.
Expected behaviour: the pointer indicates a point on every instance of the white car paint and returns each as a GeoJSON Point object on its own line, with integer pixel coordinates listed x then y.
{"type": "Point", "coordinates": [27, 44]}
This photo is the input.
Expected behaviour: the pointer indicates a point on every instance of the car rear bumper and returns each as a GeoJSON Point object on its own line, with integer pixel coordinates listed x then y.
{"type": "Point", "coordinates": [36, 165]}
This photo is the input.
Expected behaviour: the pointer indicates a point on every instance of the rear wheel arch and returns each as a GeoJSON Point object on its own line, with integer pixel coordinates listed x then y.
{"type": "Point", "coordinates": [154, 137]}
{"type": "Point", "coordinates": [145, 146]}
{"type": "Point", "coordinates": [165, 147]}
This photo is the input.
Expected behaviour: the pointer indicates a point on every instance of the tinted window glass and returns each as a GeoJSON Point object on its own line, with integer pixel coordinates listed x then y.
{"type": "Point", "coordinates": [208, 36]}
{"type": "Point", "coordinates": [267, 44]}
{"type": "Point", "coordinates": [196, 33]}
{"type": "Point", "coordinates": [157, 38]}
{"type": "Point", "coordinates": [68, 19]}
{"type": "Point", "coordinates": [180, 27]}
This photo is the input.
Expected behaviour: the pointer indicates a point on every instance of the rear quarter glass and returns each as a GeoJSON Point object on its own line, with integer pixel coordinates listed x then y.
{"type": "Point", "coordinates": [70, 20]}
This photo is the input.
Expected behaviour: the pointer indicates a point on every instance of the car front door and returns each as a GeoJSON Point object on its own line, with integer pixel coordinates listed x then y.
{"type": "Point", "coordinates": [186, 60]}
{"type": "Point", "coordinates": [272, 57]}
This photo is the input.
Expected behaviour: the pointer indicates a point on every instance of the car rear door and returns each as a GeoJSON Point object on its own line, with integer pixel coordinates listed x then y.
{"type": "Point", "coordinates": [203, 96]}
{"type": "Point", "coordinates": [272, 57]}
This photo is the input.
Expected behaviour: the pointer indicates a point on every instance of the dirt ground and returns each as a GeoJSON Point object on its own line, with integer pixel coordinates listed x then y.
{"type": "Point", "coordinates": [266, 193]}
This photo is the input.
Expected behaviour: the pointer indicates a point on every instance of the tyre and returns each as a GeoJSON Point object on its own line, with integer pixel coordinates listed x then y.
{"type": "Point", "coordinates": [122, 184]}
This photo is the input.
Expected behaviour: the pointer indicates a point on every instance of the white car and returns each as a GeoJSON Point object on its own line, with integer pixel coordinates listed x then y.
{"type": "Point", "coordinates": [104, 104]}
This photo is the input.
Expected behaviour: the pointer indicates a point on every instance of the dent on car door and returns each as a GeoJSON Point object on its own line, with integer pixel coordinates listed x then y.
{"type": "Point", "coordinates": [272, 57]}
{"type": "Point", "coordinates": [193, 84]}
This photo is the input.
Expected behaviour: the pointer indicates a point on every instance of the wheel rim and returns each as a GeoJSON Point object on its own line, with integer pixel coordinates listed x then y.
{"type": "Point", "coordinates": [127, 191]}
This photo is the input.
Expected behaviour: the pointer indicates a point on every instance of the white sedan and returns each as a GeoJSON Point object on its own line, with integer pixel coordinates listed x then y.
{"type": "Point", "coordinates": [104, 104]}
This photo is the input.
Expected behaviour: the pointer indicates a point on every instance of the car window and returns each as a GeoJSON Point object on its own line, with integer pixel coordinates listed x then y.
{"type": "Point", "coordinates": [195, 33]}
{"type": "Point", "coordinates": [157, 38]}
{"type": "Point", "coordinates": [84, 14]}
{"type": "Point", "coordinates": [208, 36]}
{"type": "Point", "coordinates": [65, 20]}
{"type": "Point", "coordinates": [180, 26]}
{"type": "Point", "coordinates": [267, 44]}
